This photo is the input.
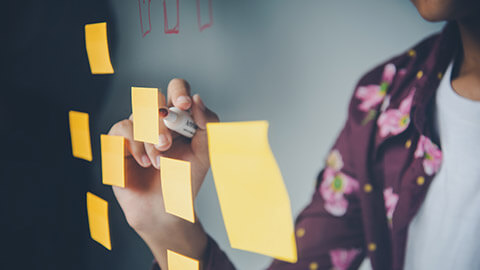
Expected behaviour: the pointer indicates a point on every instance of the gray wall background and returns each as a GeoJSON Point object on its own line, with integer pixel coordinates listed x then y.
{"type": "Point", "coordinates": [293, 63]}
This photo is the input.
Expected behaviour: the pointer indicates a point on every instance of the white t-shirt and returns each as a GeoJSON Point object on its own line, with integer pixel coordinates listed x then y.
{"type": "Point", "coordinates": [445, 233]}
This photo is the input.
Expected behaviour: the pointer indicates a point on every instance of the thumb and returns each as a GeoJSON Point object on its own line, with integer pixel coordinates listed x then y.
{"type": "Point", "coordinates": [201, 114]}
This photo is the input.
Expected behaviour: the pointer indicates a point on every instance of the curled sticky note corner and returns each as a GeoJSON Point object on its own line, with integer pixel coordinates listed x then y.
{"type": "Point", "coordinates": [145, 114]}
{"type": "Point", "coordinates": [177, 261]}
{"type": "Point", "coordinates": [113, 160]}
{"type": "Point", "coordinates": [96, 42]}
{"type": "Point", "coordinates": [177, 188]}
{"type": "Point", "coordinates": [97, 210]}
{"type": "Point", "coordinates": [80, 135]}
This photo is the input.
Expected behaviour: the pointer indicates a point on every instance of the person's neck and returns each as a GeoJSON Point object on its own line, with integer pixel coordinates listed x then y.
{"type": "Point", "coordinates": [470, 36]}
{"type": "Point", "coordinates": [466, 77]}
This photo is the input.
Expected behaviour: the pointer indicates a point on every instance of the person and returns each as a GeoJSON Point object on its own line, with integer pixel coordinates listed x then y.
{"type": "Point", "coordinates": [400, 185]}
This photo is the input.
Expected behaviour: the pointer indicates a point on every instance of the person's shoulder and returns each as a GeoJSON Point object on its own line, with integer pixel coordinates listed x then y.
{"type": "Point", "coordinates": [408, 59]}
{"type": "Point", "coordinates": [386, 82]}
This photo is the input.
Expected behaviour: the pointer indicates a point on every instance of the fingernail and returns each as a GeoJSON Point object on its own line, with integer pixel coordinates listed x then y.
{"type": "Point", "coordinates": [183, 100]}
{"type": "Point", "coordinates": [157, 160]}
{"type": "Point", "coordinates": [162, 141]}
{"type": "Point", "coordinates": [145, 160]}
{"type": "Point", "coordinates": [200, 103]}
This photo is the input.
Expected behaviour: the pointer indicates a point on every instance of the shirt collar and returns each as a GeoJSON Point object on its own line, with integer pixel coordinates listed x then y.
{"type": "Point", "coordinates": [433, 68]}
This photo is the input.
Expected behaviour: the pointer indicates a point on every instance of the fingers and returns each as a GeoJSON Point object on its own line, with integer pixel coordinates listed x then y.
{"type": "Point", "coordinates": [164, 138]}
{"type": "Point", "coordinates": [178, 92]}
{"type": "Point", "coordinates": [136, 149]}
{"type": "Point", "coordinates": [179, 96]}
{"type": "Point", "coordinates": [164, 134]}
{"type": "Point", "coordinates": [201, 114]}
{"type": "Point", "coordinates": [153, 154]}
{"type": "Point", "coordinates": [147, 154]}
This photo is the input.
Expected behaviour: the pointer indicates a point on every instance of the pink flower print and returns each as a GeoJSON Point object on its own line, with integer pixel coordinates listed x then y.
{"type": "Point", "coordinates": [389, 73]}
{"type": "Point", "coordinates": [431, 154]}
{"type": "Point", "coordinates": [343, 258]}
{"type": "Point", "coordinates": [392, 122]}
{"type": "Point", "coordinates": [334, 186]}
{"type": "Point", "coordinates": [406, 104]}
{"type": "Point", "coordinates": [395, 121]}
{"type": "Point", "coordinates": [386, 103]}
{"type": "Point", "coordinates": [335, 160]}
{"type": "Point", "coordinates": [391, 200]}
{"type": "Point", "coordinates": [372, 95]}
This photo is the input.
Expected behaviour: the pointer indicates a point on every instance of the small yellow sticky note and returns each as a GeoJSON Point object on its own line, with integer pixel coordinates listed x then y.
{"type": "Point", "coordinates": [97, 48]}
{"type": "Point", "coordinates": [80, 135]}
{"type": "Point", "coordinates": [145, 114]}
{"type": "Point", "coordinates": [97, 210]}
{"type": "Point", "coordinates": [113, 161]}
{"type": "Point", "coordinates": [177, 188]}
{"type": "Point", "coordinates": [177, 261]}
{"type": "Point", "coordinates": [253, 198]}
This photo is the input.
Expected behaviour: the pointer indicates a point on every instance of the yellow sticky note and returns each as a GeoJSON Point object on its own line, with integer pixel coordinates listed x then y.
{"type": "Point", "coordinates": [113, 162]}
{"type": "Point", "coordinates": [177, 261]}
{"type": "Point", "coordinates": [97, 48]}
{"type": "Point", "coordinates": [97, 210]}
{"type": "Point", "coordinates": [80, 135]}
{"type": "Point", "coordinates": [253, 198]}
{"type": "Point", "coordinates": [145, 114]}
{"type": "Point", "coordinates": [177, 188]}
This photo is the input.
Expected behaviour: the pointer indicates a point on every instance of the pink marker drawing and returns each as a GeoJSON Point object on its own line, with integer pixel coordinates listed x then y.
{"type": "Point", "coordinates": [144, 33]}
{"type": "Point", "coordinates": [173, 30]}
{"type": "Point", "coordinates": [199, 19]}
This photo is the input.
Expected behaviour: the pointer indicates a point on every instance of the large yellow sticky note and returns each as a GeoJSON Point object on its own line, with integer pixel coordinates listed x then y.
{"type": "Point", "coordinates": [97, 48]}
{"type": "Point", "coordinates": [177, 261]}
{"type": "Point", "coordinates": [253, 198]}
{"type": "Point", "coordinates": [80, 135]}
{"type": "Point", "coordinates": [113, 161]}
{"type": "Point", "coordinates": [145, 114]}
{"type": "Point", "coordinates": [177, 188]}
{"type": "Point", "coordinates": [97, 210]}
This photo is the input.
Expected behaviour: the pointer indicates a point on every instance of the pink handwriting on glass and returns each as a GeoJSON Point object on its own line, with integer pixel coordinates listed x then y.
{"type": "Point", "coordinates": [173, 30]}
{"type": "Point", "coordinates": [146, 26]}
{"type": "Point", "coordinates": [210, 15]}
{"type": "Point", "coordinates": [145, 19]}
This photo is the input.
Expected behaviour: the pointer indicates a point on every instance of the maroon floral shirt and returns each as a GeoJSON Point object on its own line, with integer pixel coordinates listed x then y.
{"type": "Point", "coordinates": [378, 171]}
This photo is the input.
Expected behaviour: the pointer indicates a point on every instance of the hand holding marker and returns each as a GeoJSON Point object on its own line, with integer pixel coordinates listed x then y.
{"type": "Point", "coordinates": [179, 121]}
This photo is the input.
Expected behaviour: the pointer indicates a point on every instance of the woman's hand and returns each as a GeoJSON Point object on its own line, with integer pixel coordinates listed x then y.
{"type": "Point", "coordinates": [141, 200]}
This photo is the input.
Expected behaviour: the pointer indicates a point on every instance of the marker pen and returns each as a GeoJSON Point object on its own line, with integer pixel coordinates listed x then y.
{"type": "Point", "coordinates": [179, 121]}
